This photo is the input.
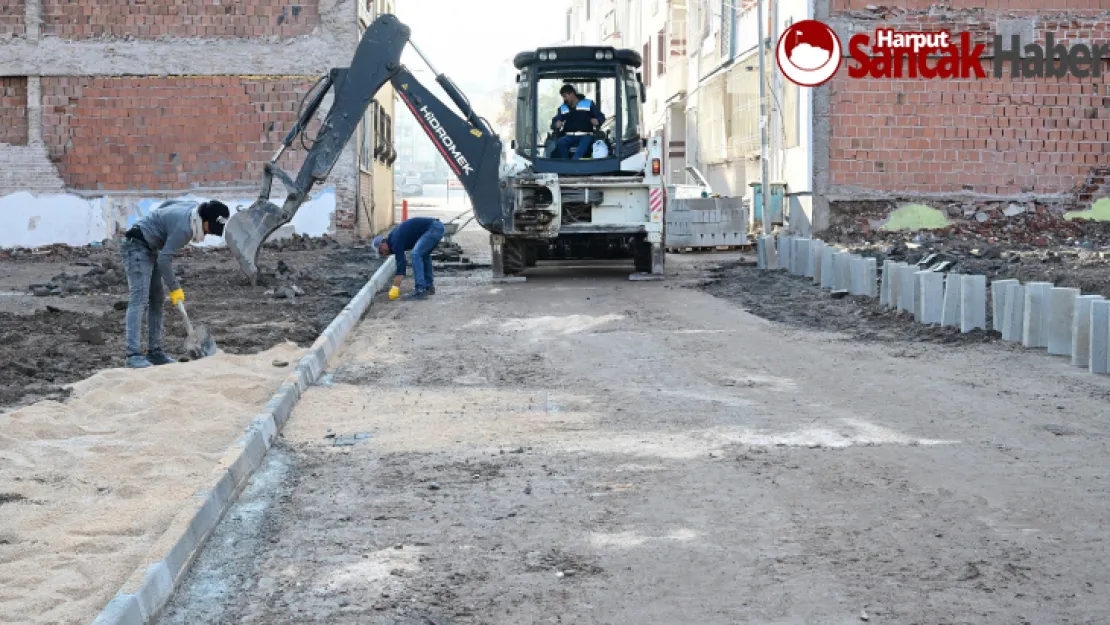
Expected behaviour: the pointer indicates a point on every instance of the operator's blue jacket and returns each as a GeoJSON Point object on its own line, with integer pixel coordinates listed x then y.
{"type": "Point", "coordinates": [578, 119]}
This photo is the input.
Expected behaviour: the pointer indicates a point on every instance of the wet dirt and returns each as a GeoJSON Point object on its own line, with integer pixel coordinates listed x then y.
{"type": "Point", "coordinates": [80, 328]}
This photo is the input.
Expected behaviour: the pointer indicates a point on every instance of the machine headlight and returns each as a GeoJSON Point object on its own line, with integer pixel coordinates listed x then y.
{"type": "Point", "coordinates": [609, 56]}
{"type": "Point", "coordinates": [551, 56]}
{"type": "Point", "coordinates": [599, 55]}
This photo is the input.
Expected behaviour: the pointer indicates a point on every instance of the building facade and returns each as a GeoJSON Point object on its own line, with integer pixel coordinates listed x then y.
{"type": "Point", "coordinates": [109, 107]}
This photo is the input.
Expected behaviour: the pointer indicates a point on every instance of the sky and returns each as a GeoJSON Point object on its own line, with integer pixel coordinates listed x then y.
{"type": "Point", "coordinates": [470, 40]}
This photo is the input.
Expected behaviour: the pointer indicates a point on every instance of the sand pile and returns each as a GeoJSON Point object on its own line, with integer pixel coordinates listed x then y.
{"type": "Point", "coordinates": [87, 486]}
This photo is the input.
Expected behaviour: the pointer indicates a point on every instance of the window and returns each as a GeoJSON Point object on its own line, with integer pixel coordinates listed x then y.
{"type": "Point", "coordinates": [631, 111]}
{"type": "Point", "coordinates": [647, 64]}
{"type": "Point", "coordinates": [661, 46]}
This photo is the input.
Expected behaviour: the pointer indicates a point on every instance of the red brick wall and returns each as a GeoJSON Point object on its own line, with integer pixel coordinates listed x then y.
{"type": "Point", "coordinates": [139, 133]}
{"type": "Point", "coordinates": [149, 19]}
{"type": "Point", "coordinates": [1001, 136]}
{"type": "Point", "coordinates": [985, 5]}
{"type": "Point", "coordinates": [11, 18]}
{"type": "Point", "coordinates": [13, 110]}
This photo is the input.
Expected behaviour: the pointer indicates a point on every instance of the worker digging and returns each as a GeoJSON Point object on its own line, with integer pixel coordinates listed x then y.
{"type": "Point", "coordinates": [147, 251]}
{"type": "Point", "coordinates": [420, 235]}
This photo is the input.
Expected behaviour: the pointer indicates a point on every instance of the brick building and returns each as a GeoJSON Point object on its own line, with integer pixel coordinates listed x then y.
{"type": "Point", "coordinates": [965, 144]}
{"type": "Point", "coordinates": [121, 103]}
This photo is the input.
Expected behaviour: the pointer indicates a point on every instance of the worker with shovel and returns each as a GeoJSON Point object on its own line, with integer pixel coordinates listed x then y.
{"type": "Point", "coordinates": [148, 249]}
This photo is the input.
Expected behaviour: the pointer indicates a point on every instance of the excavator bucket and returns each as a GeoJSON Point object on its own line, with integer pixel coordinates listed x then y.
{"type": "Point", "coordinates": [248, 229]}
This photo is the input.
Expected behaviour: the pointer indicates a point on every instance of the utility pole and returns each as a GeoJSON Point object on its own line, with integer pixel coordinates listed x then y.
{"type": "Point", "coordinates": [765, 191]}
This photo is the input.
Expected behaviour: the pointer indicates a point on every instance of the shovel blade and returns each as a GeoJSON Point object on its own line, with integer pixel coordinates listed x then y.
{"type": "Point", "coordinates": [200, 343]}
{"type": "Point", "coordinates": [247, 230]}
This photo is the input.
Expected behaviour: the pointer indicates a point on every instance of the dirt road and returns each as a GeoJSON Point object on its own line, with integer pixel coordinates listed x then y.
{"type": "Point", "coordinates": [585, 449]}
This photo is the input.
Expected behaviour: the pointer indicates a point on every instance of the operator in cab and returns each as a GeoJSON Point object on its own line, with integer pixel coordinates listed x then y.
{"type": "Point", "coordinates": [421, 235]}
{"type": "Point", "coordinates": [577, 119]}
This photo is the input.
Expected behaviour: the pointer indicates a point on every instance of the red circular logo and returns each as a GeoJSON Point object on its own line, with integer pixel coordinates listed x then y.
{"type": "Point", "coordinates": [808, 53]}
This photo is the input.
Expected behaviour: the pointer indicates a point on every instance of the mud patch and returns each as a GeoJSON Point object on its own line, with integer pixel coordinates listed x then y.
{"type": "Point", "coordinates": [42, 352]}
{"type": "Point", "coordinates": [796, 301]}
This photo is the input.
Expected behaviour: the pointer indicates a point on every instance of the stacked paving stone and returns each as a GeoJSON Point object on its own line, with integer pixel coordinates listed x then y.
{"type": "Point", "coordinates": [1038, 315]}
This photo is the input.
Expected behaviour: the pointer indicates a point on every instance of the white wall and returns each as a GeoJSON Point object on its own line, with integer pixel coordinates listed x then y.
{"type": "Point", "coordinates": [30, 221]}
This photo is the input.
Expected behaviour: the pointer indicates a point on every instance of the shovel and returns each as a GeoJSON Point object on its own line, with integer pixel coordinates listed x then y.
{"type": "Point", "coordinates": [199, 343]}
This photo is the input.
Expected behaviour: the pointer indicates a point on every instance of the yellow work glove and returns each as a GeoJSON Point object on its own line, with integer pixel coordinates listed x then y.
{"type": "Point", "coordinates": [394, 293]}
{"type": "Point", "coordinates": [177, 297]}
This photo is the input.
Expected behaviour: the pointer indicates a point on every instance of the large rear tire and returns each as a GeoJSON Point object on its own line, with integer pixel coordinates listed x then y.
{"type": "Point", "coordinates": [514, 260]}
{"type": "Point", "coordinates": [530, 255]}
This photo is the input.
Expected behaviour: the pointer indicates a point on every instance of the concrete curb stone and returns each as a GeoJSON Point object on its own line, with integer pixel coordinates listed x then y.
{"type": "Point", "coordinates": [143, 597]}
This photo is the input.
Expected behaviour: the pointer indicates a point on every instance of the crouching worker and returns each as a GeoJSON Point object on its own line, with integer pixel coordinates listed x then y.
{"type": "Point", "coordinates": [421, 235]}
{"type": "Point", "coordinates": [148, 249]}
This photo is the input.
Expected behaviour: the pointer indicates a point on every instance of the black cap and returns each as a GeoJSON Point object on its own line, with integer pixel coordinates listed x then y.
{"type": "Point", "coordinates": [215, 214]}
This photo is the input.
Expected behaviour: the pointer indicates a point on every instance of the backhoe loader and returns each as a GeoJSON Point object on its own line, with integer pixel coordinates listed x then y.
{"type": "Point", "coordinates": [535, 207]}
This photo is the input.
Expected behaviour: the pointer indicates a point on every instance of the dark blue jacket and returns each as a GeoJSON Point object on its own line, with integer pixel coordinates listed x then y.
{"type": "Point", "coordinates": [404, 238]}
{"type": "Point", "coordinates": [578, 119]}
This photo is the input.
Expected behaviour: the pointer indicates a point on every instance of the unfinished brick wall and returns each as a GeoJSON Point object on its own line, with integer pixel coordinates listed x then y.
{"type": "Point", "coordinates": [12, 13]}
{"type": "Point", "coordinates": [994, 136]}
{"type": "Point", "coordinates": [980, 5]}
{"type": "Point", "coordinates": [176, 133]}
{"type": "Point", "coordinates": [150, 19]}
{"type": "Point", "coordinates": [13, 110]}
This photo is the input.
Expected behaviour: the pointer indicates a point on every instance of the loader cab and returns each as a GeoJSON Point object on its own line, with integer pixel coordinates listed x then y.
{"type": "Point", "coordinates": [605, 75]}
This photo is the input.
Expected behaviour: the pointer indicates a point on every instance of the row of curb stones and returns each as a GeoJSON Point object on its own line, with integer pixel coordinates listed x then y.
{"type": "Point", "coordinates": [145, 594]}
{"type": "Point", "coordinates": [1039, 315]}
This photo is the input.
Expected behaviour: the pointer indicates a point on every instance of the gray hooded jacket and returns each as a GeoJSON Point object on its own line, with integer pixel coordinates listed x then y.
{"type": "Point", "coordinates": [167, 229]}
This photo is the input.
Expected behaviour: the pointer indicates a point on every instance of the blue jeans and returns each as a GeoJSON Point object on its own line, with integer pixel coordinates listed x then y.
{"type": "Point", "coordinates": [144, 281]}
{"type": "Point", "coordinates": [421, 256]}
{"type": "Point", "coordinates": [565, 143]}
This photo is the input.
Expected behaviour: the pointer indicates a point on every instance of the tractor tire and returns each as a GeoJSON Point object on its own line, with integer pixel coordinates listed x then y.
{"type": "Point", "coordinates": [513, 257]}
{"type": "Point", "coordinates": [530, 255]}
{"type": "Point", "coordinates": [641, 256]}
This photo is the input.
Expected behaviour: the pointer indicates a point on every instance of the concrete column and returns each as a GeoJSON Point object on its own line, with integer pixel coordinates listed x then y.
{"type": "Point", "coordinates": [1014, 316]}
{"type": "Point", "coordinates": [973, 303]}
{"type": "Point", "coordinates": [842, 267]}
{"type": "Point", "coordinates": [1035, 332]}
{"type": "Point", "coordinates": [1061, 312]}
{"type": "Point", "coordinates": [907, 288]}
{"type": "Point", "coordinates": [999, 288]}
{"type": "Point", "coordinates": [1100, 337]}
{"type": "Point", "coordinates": [34, 110]}
{"type": "Point", "coordinates": [828, 267]}
{"type": "Point", "coordinates": [816, 253]}
{"type": "Point", "coordinates": [953, 299]}
{"type": "Point", "coordinates": [857, 275]}
{"type": "Point", "coordinates": [1081, 330]}
{"type": "Point", "coordinates": [32, 19]}
{"type": "Point", "coordinates": [930, 299]}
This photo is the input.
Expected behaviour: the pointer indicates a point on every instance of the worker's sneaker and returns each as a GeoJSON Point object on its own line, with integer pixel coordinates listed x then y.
{"type": "Point", "coordinates": [431, 290]}
{"type": "Point", "coordinates": [415, 295]}
{"type": "Point", "coordinates": [159, 358]}
{"type": "Point", "coordinates": [138, 361]}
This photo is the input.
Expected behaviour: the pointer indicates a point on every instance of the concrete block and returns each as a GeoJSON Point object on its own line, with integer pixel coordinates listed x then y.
{"type": "Point", "coordinates": [155, 590]}
{"type": "Point", "coordinates": [1099, 356]}
{"type": "Point", "coordinates": [802, 251]}
{"type": "Point", "coordinates": [973, 303]}
{"type": "Point", "coordinates": [121, 610]}
{"type": "Point", "coordinates": [907, 288]}
{"type": "Point", "coordinates": [1061, 312]}
{"type": "Point", "coordinates": [871, 277]}
{"type": "Point", "coordinates": [1035, 331]}
{"type": "Point", "coordinates": [888, 294]}
{"type": "Point", "coordinates": [999, 288]}
{"type": "Point", "coordinates": [930, 298]}
{"type": "Point", "coordinates": [828, 267]}
{"type": "Point", "coordinates": [768, 254]}
{"type": "Point", "coordinates": [761, 252]}
{"type": "Point", "coordinates": [953, 298]}
{"type": "Point", "coordinates": [842, 270]}
{"type": "Point", "coordinates": [816, 253]}
{"type": "Point", "coordinates": [857, 275]}
{"type": "Point", "coordinates": [1014, 316]}
{"type": "Point", "coordinates": [1081, 330]}
{"type": "Point", "coordinates": [786, 251]}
